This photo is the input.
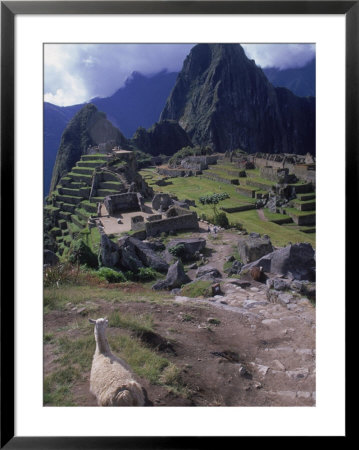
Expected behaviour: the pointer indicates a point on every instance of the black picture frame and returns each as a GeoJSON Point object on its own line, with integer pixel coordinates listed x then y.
{"type": "Point", "coordinates": [9, 9]}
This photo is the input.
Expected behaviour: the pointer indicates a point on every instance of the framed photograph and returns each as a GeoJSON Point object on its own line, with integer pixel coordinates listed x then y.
{"type": "Point", "coordinates": [175, 171]}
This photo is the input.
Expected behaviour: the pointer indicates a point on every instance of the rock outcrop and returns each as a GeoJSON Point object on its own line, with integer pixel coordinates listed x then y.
{"type": "Point", "coordinates": [148, 256]}
{"type": "Point", "coordinates": [222, 99]}
{"type": "Point", "coordinates": [109, 251]}
{"type": "Point", "coordinates": [254, 247]}
{"type": "Point", "coordinates": [208, 273]}
{"type": "Point", "coordinates": [188, 248]}
{"type": "Point", "coordinates": [163, 138]}
{"type": "Point", "coordinates": [175, 278]}
{"type": "Point", "coordinates": [296, 261]}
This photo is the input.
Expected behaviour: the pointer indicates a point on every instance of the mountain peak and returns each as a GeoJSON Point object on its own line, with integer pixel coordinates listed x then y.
{"type": "Point", "coordinates": [222, 99]}
{"type": "Point", "coordinates": [88, 127]}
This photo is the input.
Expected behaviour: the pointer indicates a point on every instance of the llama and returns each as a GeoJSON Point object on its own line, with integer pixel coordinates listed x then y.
{"type": "Point", "coordinates": [111, 380]}
{"type": "Point", "coordinates": [257, 273]}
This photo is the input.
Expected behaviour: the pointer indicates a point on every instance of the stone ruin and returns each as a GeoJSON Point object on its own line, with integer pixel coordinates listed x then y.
{"type": "Point", "coordinates": [189, 166]}
{"type": "Point", "coordinates": [172, 215]}
{"type": "Point", "coordinates": [119, 203]}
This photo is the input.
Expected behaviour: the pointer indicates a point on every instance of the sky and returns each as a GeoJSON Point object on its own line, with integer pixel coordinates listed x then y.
{"type": "Point", "coordinates": [76, 73]}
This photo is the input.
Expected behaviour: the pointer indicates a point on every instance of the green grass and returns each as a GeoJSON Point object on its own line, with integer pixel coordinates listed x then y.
{"type": "Point", "coordinates": [195, 187]}
{"type": "Point", "coordinates": [57, 387]}
{"type": "Point", "coordinates": [143, 361]}
{"type": "Point", "coordinates": [56, 299]}
{"type": "Point", "coordinates": [141, 323]}
{"type": "Point", "coordinates": [197, 289]}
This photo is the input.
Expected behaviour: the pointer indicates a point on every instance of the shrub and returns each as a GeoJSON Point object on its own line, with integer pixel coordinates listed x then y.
{"type": "Point", "coordinates": [59, 274]}
{"type": "Point", "coordinates": [146, 274]}
{"type": "Point", "coordinates": [221, 220]}
{"type": "Point", "coordinates": [112, 276]}
{"type": "Point", "coordinates": [80, 253]}
{"type": "Point", "coordinates": [130, 276]}
{"type": "Point", "coordinates": [178, 250]}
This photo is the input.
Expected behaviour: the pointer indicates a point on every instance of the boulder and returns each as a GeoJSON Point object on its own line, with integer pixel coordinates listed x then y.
{"type": "Point", "coordinates": [128, 259]}
{"type": "Point", "coordinates": [50, 258]}
{"type": "Point", "coordinates": [278, 284]}
{"type": "Point", "coordinates": [208, 273]}
{"type": "Point", "coordinates": [190, 248]}
{"type": "Point", "coordinates": [156, 245]}
{"type": "Point", "coordinates": [148, 256]}
{"type": "Point", "coordinates": [109, 251]}
{"type": "Point", "coordinates": [175, 278]}
{"type": "Point", "coordinates": [254, 247]}
{"type": "Point", "coordinates": [296, 261]}
{"type": "Point", "coordinates": [235, 269]}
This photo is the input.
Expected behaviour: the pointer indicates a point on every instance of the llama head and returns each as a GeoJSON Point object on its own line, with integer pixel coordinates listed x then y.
{"type": "Point", "coordinates": [100, 324]}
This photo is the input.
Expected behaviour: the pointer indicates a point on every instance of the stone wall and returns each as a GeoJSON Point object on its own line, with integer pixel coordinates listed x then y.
{"type": "Point", "coordinates": [174, 173]}
{"type": "Point", "coordinates": [238, 208]}
{"type": "Point", "coordinates": [183, 222]}
{"type": "Point", "coordinates": [220, 179]}
{"type": "Point", "coordinates": [154, 217]}
{"type": "Point", "coordinates": [119, 203]}
{"type": "Point", "coordinates": [137, 223]}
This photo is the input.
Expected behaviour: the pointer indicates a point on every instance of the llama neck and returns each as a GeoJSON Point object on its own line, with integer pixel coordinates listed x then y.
{"type": "Point", "coordinates": [102, 345]}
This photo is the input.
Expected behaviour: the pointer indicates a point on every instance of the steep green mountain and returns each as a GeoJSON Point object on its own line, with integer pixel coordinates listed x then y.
{"type": "Point", "coordinates": [301, 81]}
{"type": "Point", "coordinates": [138, 103]}
{"type": "Point", "coordinates": [165, 138]}
{"type": "Point", "coordinates": [87, 128]}
{"type": "Point", "coordinates": [222, 99]}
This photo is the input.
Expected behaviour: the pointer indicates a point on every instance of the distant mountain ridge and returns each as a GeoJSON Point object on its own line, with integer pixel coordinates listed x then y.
{"type": "Point", "coordinates": [224, 100]}
{"type": "Point", "coordinates": [137, 104]}
{"type": "Point", "coordinates": [301, 81]}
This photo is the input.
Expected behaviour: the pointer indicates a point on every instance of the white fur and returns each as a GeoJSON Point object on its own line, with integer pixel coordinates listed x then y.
{"type": "Point", "coordinates": [111, 379]}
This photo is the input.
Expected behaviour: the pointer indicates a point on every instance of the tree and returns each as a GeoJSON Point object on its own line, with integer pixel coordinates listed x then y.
{"type": "Point", "coordinates": [213, 199]}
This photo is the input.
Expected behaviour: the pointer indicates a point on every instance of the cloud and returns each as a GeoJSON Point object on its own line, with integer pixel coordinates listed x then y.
{"type": "Point", "coordinates": [282, 56]}
{"type": "Point", "coordinates": [75, 73]}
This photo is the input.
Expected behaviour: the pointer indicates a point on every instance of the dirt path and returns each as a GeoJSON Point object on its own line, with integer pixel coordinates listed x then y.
{"type": "Point", "coordinates": [237, 349]}
{"type": "Point", "coordinates": [261, 215]}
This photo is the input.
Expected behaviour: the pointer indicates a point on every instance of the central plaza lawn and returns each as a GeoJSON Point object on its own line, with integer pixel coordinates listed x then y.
{"type": "Point", "coordinates": [192, 188]}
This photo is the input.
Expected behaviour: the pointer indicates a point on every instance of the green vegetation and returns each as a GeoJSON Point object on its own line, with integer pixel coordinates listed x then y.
{"type": "Point", "coordinates": [177, 251]}
{"type": "Point", "coordinates": [221, 220]}
{"type": "Point", "coordinates": [110, 275]}
{"type": "Point", "coordinates": [249, 220]}
{"type": "Point", "coordinates": [81, 253]}
{"type": "Point", "coordinates": [200, 288]}
{"type": "Point", "coordinates": [138, 324]}
{"type": "Point", "coordinates": [189, 151]}
{"type": "Point", "coordinates": [73, 352]}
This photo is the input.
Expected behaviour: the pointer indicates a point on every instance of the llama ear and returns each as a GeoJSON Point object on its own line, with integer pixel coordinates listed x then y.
{"type": "Point", "coordinates": [92, 321]}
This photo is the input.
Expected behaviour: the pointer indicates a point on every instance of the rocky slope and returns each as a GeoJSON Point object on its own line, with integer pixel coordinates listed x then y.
{"type": "Point", "coordinates": [222, 99]}
{"type": "Point", "coordinates": [165, 138]}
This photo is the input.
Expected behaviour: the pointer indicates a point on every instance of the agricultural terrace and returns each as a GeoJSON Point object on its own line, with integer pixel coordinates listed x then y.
{"type": "Point", "coordinates": [192, 188]}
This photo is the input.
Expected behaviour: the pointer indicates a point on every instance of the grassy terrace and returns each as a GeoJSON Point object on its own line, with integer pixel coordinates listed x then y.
{"type": "Point", "coordinates": [194, 187]}
{"type": "Point", "coordinates": [222, 172]}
